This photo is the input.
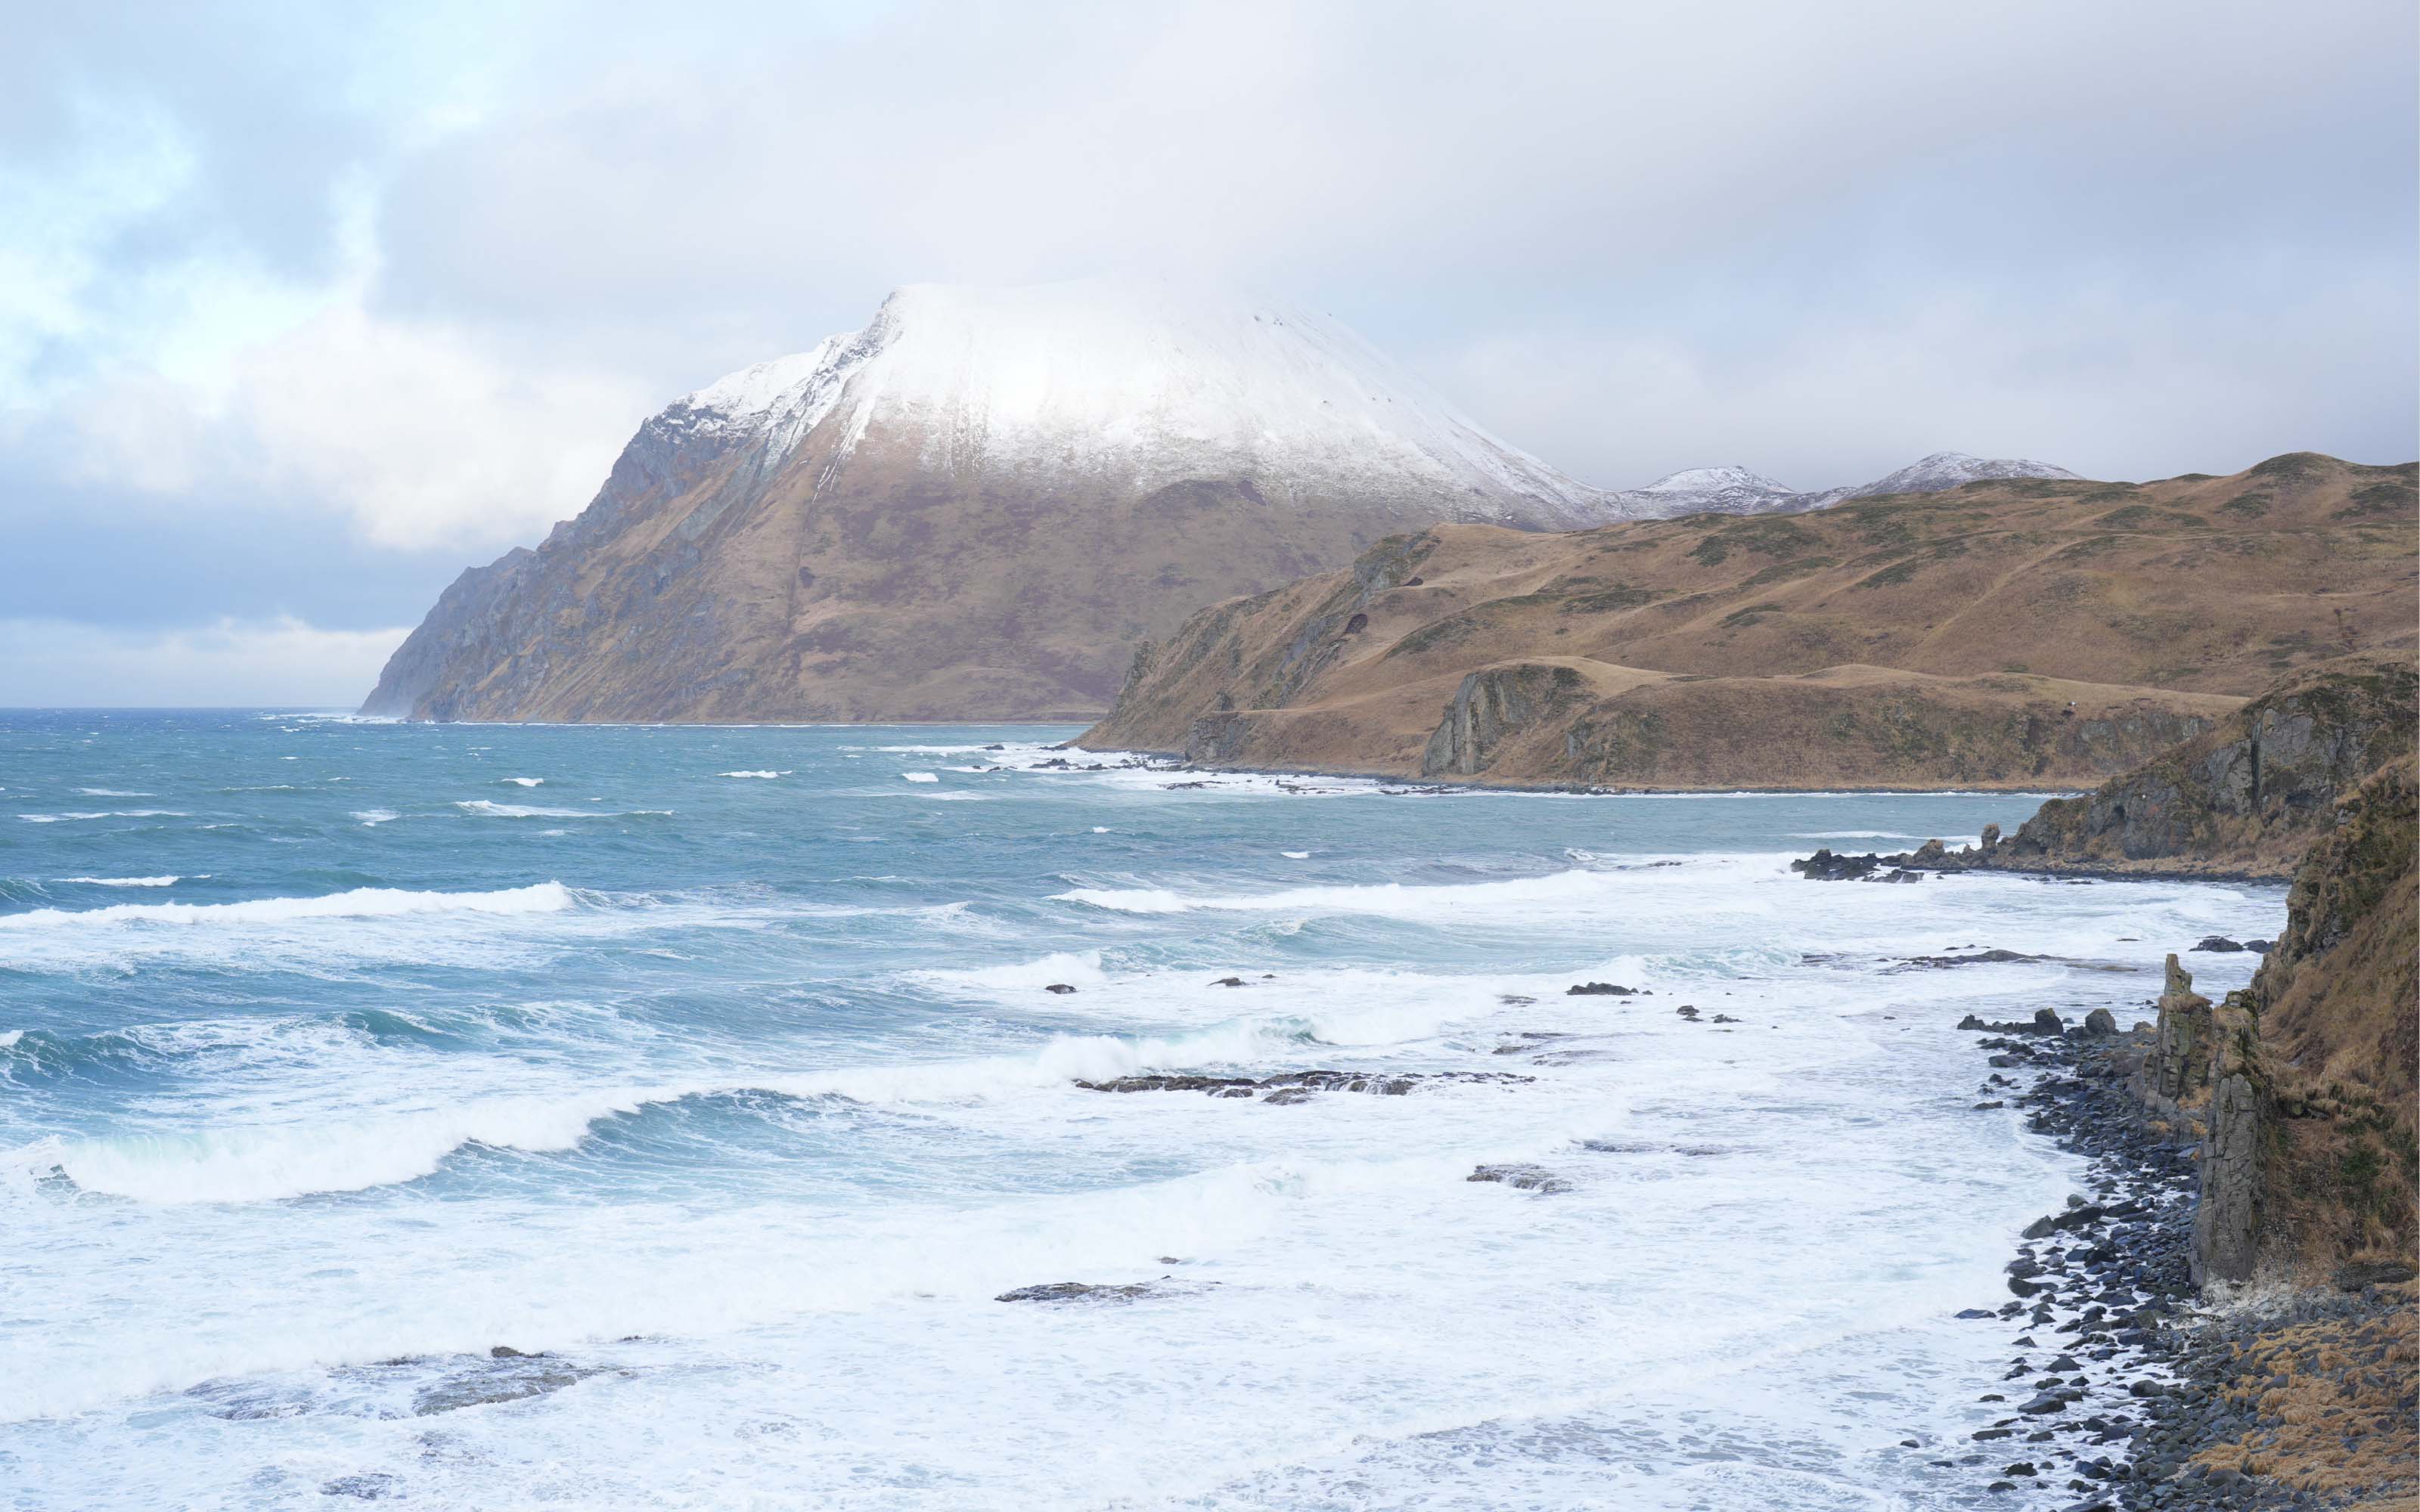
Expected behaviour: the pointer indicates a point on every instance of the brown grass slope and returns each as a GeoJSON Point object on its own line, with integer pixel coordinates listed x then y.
{"type": "Point", "coordinates": [1894, 642]}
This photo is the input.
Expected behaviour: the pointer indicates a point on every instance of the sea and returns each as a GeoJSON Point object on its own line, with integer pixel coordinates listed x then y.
{"type": "Point", "coordinates": [506, 1117]}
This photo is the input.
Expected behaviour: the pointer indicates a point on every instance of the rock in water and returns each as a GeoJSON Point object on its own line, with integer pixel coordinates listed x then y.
{"type": "Point", "coordinates": [976, 508]}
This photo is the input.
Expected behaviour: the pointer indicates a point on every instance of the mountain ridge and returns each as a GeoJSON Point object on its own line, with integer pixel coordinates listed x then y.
{"type": "Point", "coordinates": [2012, 633]}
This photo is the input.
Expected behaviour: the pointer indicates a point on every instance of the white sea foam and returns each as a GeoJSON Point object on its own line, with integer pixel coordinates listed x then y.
{"type": "Point", "coordinates": [1075, 967]}
{"type": "Point", "coordinates": [1391, 899]}
{"type": "Point", "coordinates": [526, 811]}
{"type": "Point", "coordinates": [112, 792]}
{"type": "Point", "coordinates": [523, 782]}
{"type": "Point", "coordinates": [1296, 856]}
{"type": "Point", "coordinates": [372, 818]}
{"type": "Point", "coordinates": [126, 881]}
{"type": "Point", "coordinates": [921, 776]}
{"type": "Point", "coordinates": [753, 773]}
{"type": "Point", "coordinates": [361, 903]}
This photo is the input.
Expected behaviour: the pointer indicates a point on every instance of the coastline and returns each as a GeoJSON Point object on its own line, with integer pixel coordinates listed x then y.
{"type": "Point", "coordinates": [2127, 1389]}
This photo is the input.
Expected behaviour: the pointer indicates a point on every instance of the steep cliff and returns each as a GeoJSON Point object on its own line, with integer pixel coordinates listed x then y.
{"type": "Point", "coordinates": [2246, 797]}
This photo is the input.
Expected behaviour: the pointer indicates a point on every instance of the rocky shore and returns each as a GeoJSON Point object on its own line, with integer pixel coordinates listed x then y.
{"type": "Point", "coordinates": [2126, 1388]}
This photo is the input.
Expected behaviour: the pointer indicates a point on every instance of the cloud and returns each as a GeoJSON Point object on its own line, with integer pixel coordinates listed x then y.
{"type": "Point", "coordinates": [228, 663]}
{"type": "Point", "coordinates": [416, 274]}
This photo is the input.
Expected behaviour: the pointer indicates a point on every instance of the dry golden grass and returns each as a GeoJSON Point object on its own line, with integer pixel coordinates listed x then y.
{"type": "Point", "coordinates": [2343, 1392]}
{"type": "Point", "coordinates": [1927, 640]}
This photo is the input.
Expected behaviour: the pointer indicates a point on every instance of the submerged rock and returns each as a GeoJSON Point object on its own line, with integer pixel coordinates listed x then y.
{"type": "Point", "coordinates": [1075, 1292]}
{"type": "Point", "coordinates": [1527, 1178]}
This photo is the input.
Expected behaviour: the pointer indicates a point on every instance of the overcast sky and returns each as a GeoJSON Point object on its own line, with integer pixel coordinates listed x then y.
{"type": "Point", "coordinates": [301, 313]}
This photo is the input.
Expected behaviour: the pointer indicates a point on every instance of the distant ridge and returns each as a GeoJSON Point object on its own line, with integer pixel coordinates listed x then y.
{"type": "Point", "coordinates": [1735, 490]}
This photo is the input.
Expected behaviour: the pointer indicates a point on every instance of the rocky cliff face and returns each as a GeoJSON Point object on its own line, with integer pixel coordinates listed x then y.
{"type": "Point", "coordinates": [2247, 797]}
{"type": "Point", "coordinates": [974, 508]}
{"type": "Point", "coordinates": [2012, 632]}
{"type": "Point", "coordinates": [2301, 1086]}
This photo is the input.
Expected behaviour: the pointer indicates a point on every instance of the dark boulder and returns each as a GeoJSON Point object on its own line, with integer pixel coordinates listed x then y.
{"type": "Point", "coordinates": [1825, 867]}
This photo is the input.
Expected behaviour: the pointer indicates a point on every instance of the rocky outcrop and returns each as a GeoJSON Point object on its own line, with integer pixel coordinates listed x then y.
{"type": "Point", "coordinates": [2175, 1072]}
{"type": "Point", "coordinates": [2249, 795]}
{"type": "Point", "coordinates": [2301, 1086]}
{"type": "Point", "coordinates": [1491, 705]}
{"type": "Point", "coordinates": [2246, 797]}
{"type": "Point", "coordinates": [2014, 632]}
{"type": "Point", "coordinates": [2228, 1215]}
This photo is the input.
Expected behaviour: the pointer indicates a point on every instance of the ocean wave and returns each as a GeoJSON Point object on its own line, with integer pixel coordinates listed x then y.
{"type": "Point", "coordinates": [1074, 967]}
{"type": "Point", "coordinates": [1391, 899]}
{"type": "Point", "coordinates": [123, 882]}
{"type": "Point", "coordinates": [372, 818]}
{"type": "Point", "coordinates": [266, 1163]}
{"type": "Point", "coordinates": [921, 776]}
{"type": "Point", "coordinates": [111, 793]}
{"type": "Point", "coordinates": [523, 782]}
{"type": "Point", "coordinates": [360, 902]}
{"type": "Point", "coordinates": [526, 811]}
{"type": "Point", "coordinates": [108, 813]}
{"type": "Point", "coordinates": [753, 773]}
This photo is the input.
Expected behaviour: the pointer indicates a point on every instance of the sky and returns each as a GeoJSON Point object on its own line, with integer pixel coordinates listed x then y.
{"type": "Point", "coordinates": [303, 309]}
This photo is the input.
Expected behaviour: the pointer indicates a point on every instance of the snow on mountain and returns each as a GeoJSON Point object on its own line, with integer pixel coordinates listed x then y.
{"type": "Point", "coordinates": [1148, 384]}
{"type": "Point", "coordinates": [1733, 490]}
{"type": "Point", "coordinates": [1940, 473]}
{"type": "Point", "coordinates": [1736, 491]}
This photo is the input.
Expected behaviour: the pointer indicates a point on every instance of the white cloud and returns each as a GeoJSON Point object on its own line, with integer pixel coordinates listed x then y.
{"type": "Point", "coordinates": [421, 435]}
{"type": "Point", "coordinates": [277, 663]}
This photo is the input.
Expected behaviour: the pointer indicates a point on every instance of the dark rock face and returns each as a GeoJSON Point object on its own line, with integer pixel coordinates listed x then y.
{"type": "Point", "coordinates": [2217, 944]}
{"type": "Point", "coordinates": [2246, 796]}
{"type": "Point", "coordinates": [2227, 1226]}
{"type": "Point", "coordinates": [1599, 989]}
{"type": "Point", "coordinates": [1493, 704]}
{"type": "Point", "coordinates": [2178, 1069]}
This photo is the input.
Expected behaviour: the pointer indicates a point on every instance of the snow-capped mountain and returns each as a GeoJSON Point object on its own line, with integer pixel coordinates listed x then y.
{"type": "Point", "coordinates": [1140, 384]}
{"type": "Point", "coordinates": [1732, 490]}
{"type": "Point", "coordinates": [1736, 491]}
{"type": "Point", "coordinates": [1940, 473]}
{"type": "Point", "coordinates": [977, 507]}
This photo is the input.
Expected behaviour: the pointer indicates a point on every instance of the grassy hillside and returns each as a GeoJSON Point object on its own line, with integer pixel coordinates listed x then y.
{"type": "Point", "coordinates": [2012, 633]}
